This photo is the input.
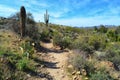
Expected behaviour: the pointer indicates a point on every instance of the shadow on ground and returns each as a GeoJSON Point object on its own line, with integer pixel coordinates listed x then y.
{"type": "Point", "coordinates": [39, 74]}
{"type": "Point", "coordinates": [46, 64]}
{"type": "Point", "coordinates": [40, 48]}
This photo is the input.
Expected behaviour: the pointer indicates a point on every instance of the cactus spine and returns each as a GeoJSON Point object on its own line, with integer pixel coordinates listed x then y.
{"type": "Point", "coordinates": [22, 21]}
{"type": "Point", "coordinates": [46, 18]}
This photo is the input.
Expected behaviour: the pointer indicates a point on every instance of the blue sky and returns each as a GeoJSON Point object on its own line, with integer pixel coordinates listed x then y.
{"type": "Point", "coordinates": [68, 12]}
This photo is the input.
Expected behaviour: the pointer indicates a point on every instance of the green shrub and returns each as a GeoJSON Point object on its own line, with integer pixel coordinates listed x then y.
{"type": "Point", "coordinates": [111, 35]}
{"type": "Point", "coordinates": [101, 74]}
{"type": "Point", "coordinates": [99, 55]}
{"type": "Point", "coordinates": [2, 51]}
{"type": "Point", "coordinates": [97, 41]}
{"type": "Point", "coordinates": [62, 41]}
{"type": "Point", "coordinates": [81, 41]}
{"type": "Point", "coordinates": [102, 29]}
{"type": "Point", "coordinates": [31, 29]}
{"type": "Point", "coordinates": [113, 54]}
{"type": "Point", "coordinates": [24, 65]}
{"type": "Point", "coordinates": [9, 74]}
{"type": "Point", "coordinates": [8, 66]}
{"type": "Point", "coordinates": [57, 38]}
{"type": "Point", "coordinates": [65, 42]}
{"type": "Point", "coordinates": [116, 62]}
{"type": "Point", "coordinates": [45, 36]}
{"type": "Point", "coordinates": [80, 63]}
{"type": "Point", "coordinates": [28, 49]}
{"type": "Point", "coordinates": [82, 44]}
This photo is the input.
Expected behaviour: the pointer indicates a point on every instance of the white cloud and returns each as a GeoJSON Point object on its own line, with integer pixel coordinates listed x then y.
{"type": "Point", "coordinates": [38, 16]}
{"type": "Point", "coordinates": [68, 12]}
{"type": "Point", "coordinates": [90, 21]}
{"type": "Point", "coordinates": [56, 14]}
{"type": "Point", "coordinates": [80, 4]}
{"type": "Point", "coordinates": [6, 10]}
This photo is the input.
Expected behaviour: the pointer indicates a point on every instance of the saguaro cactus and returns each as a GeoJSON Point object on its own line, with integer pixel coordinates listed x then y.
{"type": "Point", "coordinates": [46, 18]}
{"type": "Point", "coordinates": [22, 21]}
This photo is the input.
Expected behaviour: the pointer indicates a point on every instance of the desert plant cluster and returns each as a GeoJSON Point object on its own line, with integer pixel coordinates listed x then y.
{"type": "Point", "coordinates": [95, 50]}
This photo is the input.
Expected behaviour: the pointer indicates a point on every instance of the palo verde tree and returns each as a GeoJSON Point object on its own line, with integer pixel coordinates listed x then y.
{"type": "Point", "coordinates": [22, 21]}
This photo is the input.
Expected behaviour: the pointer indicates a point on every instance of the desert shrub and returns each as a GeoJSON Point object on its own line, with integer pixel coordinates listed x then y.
{"type": "Point", "coordinates": [24, 65]}
{"type": "Point", "coordinates": [32, 32]}
{"type": "Point", "coordinates": [56, 38]}
{"type": "Point", "coordinates": [87, 48]}
{"type": "Point", "coordinates": [2, 51]}
{"type": "Point", "coordinates": [99, 55]}
{"type": "Point", "coordinates": [80, 63]}
{"type": "Point", "coordinates": [112, 35]}
{"type": "Point", "coordinates": [116, 62]}
{"type": "Point", "coordinates": [90, 43]}
{"type": "Point", "coordinates": [65, 42]}
{"type": "Point", "coordinates": [45, 35]}
{"type": "Point", "coordinates": [77, 43]}
{"type": "Point", "coordinates": [82, 44]}
{"type": "Point", "coordinates": [8, 66]}
{"type": "Point", "coordinates": [28, 49]}
{"type": "Point", "coordinates": [102, 29]}
{"type": "Point", "coordinates": [3, 20]}
{"type": "Point", "coordinates": [101, 74]}
{"type": "Point", "coordinates": [97, 41]}
{"type": "Point", "coordinates": [16, 61]}
{"type": "Point", "coordinates": [115, 34]}
{"type": "Point", "coordinates": [62, 41]}
{"type": "Point", "coordinates": [6, 73]}
{"type": "Point", "coordinates": [113, 54]}
{"type": "Point", "coordinates": [31, 28]}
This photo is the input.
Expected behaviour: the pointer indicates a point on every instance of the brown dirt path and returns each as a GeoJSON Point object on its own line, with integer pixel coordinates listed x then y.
{"type": "Point", "coordinates": [57, 62]}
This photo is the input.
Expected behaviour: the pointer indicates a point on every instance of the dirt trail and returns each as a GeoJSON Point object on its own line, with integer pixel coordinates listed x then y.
{"type": "Point", "coordinates": [57, 63]}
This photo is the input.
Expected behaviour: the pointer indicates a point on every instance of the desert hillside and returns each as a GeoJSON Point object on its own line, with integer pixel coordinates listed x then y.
{"type": "Point", "coordinates": [31, 50]}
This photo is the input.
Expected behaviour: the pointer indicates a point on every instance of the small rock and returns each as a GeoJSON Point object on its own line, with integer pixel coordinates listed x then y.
{"type": "Point", "coordinates": [74, 77]}
{"type": "Point", "coordinates": [78, 72]}
{"type": "Point", "coordinates": [57, 71]}
{"type": "Point", "coordinates": [33, 44]}
{"type": "Point", "coordinates": [70, 66]}
{"type": "Point", "coordinates": [28, 75]}
{"type": "Point", "coordinates": [1, 59]}
{"type": "Point", "coordinates": [119, 77]}
{"type": "Point", "coordinates": [62, 66]}
{"type": "Point", "coordinates": [73, 73]}
{"type": "Point", "coordinates": [62, 70]}
{"type": "Point", "coordinates": [84, 72]}
{"type": "Point", "coordinates": [41, 75]}
{"type": "Point", "coordinates": [19, 39]}
{"type": "Point", "coordinates": [42, 66]}
{"type": "Point", "coordinates": [86, 78]}
{"type": "Point", "coordinates": [9, 35]}
{"type": "Point", "coordinates": [63, 76]}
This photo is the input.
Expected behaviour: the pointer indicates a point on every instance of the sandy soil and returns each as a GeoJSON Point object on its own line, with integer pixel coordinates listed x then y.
{"type": "Point", "coordinates": [57, 62]}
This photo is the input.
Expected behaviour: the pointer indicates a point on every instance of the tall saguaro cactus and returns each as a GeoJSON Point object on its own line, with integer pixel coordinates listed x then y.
{"type": "Point", "coordinates": [22, 21]}
{"type": "Point", "coordinates": [46, 18]}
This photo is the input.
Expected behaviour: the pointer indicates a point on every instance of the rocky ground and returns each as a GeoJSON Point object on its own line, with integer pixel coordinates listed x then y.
{"type": "Point", "coordinates": [57, 62]}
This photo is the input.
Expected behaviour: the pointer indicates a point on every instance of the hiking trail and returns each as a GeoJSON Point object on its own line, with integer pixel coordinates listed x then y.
{"type": "Point", "coordinates": [57, 62]}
